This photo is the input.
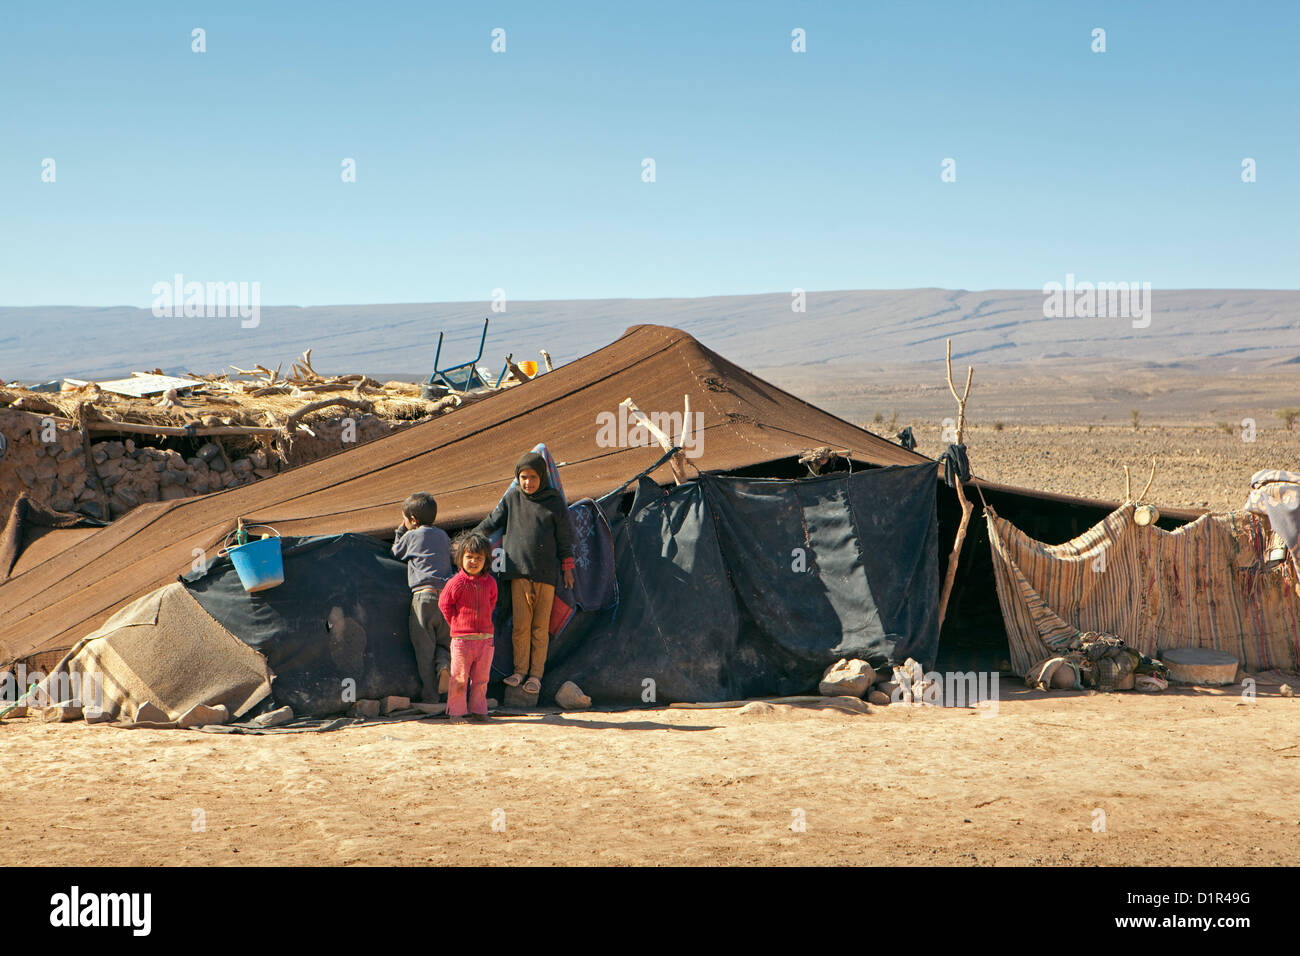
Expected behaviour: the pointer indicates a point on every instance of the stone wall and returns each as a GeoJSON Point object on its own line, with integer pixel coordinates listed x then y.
{"type": "Point", "coordinates": [130, 472]}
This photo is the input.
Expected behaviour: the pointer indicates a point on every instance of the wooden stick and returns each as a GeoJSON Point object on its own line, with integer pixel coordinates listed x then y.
{"type": "Point", "coordinates": [515, 370]}
{"type": "Point", "coordinates": [677, 462]}
{"type": "Point", "coordinates": [961, 399]}
{"type": "Point", "coordinates": [966, 507]}
{"type": "Point", "coordinates": [1149, 480]}
{"type": "Point", "coordinates": [686, 430]}
{"type": "Point", "coordinates": [306, 364]}
{"type": "Point", "coordinates": [1128, 485]}
{"type": "Point", "coordinates": [292, 420]}
{"type": "Point", "coordinates": [284, 436]}
{"type": "Point", "coordinates": [137, 428]}
{"type": "Point", "coordinates": [546, 357]}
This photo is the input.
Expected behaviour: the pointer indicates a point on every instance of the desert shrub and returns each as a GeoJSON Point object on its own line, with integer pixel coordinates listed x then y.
{"type": "Point", "coordinates": [877, 418]}
{"type": "Point", "coordinates": [998, 426]}
{"type": "Point", "coordinates": [1225, 427]}
{"type": "Point", "coordinates": [1288, 416]}
{"type": "Point", "coordinates": [1136, 416]}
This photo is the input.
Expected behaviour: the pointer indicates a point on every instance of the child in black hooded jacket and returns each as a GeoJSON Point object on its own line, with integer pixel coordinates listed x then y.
{"type": "Point", "coordinates": [538, 553]}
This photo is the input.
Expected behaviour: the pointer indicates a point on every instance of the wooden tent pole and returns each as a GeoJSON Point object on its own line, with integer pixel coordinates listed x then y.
{"type": "Point", "coordinates": [966, 506]}
{"type": "Point", "coordinates": [677, 462]}
{"type": "Point", "coordinates": [137, 428]}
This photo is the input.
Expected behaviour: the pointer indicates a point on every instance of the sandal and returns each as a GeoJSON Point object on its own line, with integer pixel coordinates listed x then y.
{"type": "Point", "coordinates": [532, 686]}
{"type": "Point", "coordinates": [514, 680]}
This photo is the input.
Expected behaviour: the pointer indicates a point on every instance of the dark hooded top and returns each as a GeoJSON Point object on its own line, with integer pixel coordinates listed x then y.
{"type": "Point", "coordinates": [538, 542]}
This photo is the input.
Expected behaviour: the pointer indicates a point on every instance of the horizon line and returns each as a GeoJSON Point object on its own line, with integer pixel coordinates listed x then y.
{"type": "Point", "coordinates": [648, 298]}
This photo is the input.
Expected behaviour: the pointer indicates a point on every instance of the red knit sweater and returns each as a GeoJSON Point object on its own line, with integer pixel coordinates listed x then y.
{"type": "Point", "coordinates": [467, 602]}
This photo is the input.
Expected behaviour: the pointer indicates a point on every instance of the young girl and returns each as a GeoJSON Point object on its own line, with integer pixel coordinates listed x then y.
{"type": "Point", "coordinates": [538, 550]}
{"type": "Point", "coordinates": [467, 602]}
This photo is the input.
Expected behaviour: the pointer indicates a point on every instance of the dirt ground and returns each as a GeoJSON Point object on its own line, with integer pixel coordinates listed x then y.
{"type": "Point", "coordinates": [1196, 466]}
{"type": "Point", "coordinates": [1071, 431]}
{"type": "Point", "coordinates": [1191, 776]}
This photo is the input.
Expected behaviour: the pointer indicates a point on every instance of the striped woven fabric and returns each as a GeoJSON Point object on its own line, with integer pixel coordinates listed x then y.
{"type": "Point", "coordinates": [1207, 584]}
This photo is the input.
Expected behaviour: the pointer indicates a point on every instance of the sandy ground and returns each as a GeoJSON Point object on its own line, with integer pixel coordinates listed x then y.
{"type": "Point", "coordinates": [1196, 467]}
{"type": "Point", "coordinates": [1071, 431]}
{"type": "Point", "coordinates": [1186, 777]}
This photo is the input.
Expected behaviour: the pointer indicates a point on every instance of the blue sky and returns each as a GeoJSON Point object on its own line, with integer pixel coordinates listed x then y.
{"type": "Point", "coordinates": [522, 170]}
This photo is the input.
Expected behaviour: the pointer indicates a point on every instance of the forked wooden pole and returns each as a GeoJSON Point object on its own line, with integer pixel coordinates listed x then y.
{"type": "Point", "coordinates": [678, 461]}
{"type": "Point", "coordinates": [966, 506]}
{"type": "Point", "coordinates": [1149, 480]}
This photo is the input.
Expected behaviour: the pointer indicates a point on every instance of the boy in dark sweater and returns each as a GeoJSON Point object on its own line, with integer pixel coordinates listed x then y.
{"type": "Point", "coordinates": [538, 553]}
{"type": "Point", "coordinates": [427, 553]}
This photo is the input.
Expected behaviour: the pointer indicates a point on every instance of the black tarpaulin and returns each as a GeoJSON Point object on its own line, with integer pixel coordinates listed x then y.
{"type": "Point", "coordinates": [340, 615]}
{"type": "Point", "coordinates": [741, 587]}
{"type": "Point", "coordinates": [676, 622]}
{"type": "Point", "coordinates": [844, 565]}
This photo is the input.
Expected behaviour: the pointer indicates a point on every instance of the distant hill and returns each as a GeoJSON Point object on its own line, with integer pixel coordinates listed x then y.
{"type": "Point", "coordinates": [1225, 329]}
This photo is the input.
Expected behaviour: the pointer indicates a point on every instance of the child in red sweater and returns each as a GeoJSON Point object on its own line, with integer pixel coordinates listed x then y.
{"type": "Point", "coordinates": [466, 602]}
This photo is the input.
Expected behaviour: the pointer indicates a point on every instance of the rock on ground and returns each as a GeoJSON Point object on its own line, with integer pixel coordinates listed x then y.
{"type": "Point", "coordinates": [200, 715]}
{"type": "Point", "coordinates": [150, 713]}
{"type": "Point", "coordinates": [62, 713]}
{"type": "Point", "coordinates": [571, 697]}
{"type": "Point", "coordinates": [275, 718]}
{"type": "Point", "coordinates": [849, 678]}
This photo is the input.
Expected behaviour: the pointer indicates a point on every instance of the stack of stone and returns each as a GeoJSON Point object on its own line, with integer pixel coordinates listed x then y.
{"type": "Point", "coordinates": [132, 475]}
{"type": "Point", "coordinates": [126, 474]}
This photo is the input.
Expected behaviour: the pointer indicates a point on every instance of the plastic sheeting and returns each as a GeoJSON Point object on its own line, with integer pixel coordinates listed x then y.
{"type": "Point", "coordinates": [739, 587]}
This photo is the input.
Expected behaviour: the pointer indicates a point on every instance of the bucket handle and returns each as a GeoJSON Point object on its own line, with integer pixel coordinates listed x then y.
{"type": "Point", "coordinates": [225, 547]}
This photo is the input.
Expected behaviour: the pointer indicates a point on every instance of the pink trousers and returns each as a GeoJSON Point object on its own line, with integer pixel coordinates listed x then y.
{"type": "Point", "coordinates": [471, 663]}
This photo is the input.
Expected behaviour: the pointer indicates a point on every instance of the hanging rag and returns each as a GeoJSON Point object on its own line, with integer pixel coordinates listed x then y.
{"type": "Point", "coordinates": [955, 465]}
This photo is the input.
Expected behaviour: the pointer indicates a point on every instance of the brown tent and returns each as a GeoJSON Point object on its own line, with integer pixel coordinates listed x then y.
{"type": "Point", "coordinates": [466, 459]}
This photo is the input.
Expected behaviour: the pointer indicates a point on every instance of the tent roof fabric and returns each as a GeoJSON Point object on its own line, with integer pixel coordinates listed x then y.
{"type": "Point", "coordinates": [465, 459]}
{"type": "Point", "coordinates": [31, 522]}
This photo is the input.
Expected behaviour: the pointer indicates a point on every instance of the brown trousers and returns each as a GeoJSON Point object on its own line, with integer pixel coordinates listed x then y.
{"type": "Point", "coordinates": [531, 604]}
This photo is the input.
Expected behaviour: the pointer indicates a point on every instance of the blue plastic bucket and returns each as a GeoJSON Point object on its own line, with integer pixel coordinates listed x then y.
{"type": "Point", "coordinates": [259, 564]}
